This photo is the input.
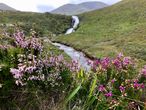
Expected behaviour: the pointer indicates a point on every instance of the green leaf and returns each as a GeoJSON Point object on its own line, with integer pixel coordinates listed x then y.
{"type": "Point", "coordinates": [93, 86]}
{"type": "Point", "coordinates": [75, 91]}
{"type": "Point", "coordinates": [89, 103]}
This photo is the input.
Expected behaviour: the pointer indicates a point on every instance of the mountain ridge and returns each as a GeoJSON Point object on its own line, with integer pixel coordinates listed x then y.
{"type": "Point", "coordinates": [74, 9]}
{"type": "Point", "coordinates": [5, 7]}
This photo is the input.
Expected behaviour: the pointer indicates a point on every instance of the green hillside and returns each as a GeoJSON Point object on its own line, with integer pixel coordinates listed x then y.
{"type": "Point", "coordinates": [121, 27]}
{"type": "Point", "coordinates": [43, 23]}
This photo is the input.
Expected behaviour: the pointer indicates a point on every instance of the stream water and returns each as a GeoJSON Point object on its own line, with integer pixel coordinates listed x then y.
{"type": "Point", "coordinates": [75, 24]}
{"type": "Point", "coordinates": [74, 54]}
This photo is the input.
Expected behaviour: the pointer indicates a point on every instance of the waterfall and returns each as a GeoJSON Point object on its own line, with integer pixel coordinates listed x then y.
{"type": "Point", "coordinates": [75, 23]}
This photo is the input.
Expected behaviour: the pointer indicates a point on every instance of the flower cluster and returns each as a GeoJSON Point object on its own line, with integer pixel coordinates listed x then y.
{"type": "Point", "coordinates": [103, 90]}
{"type": "Point", "coordinates": [35, 44]}
{"type": "Point", "coordinates": [101, 64]}
{"type": "Point", "coordinates": [109, 94]}
{"type": "Point", "coordinates": [122, 88]}
{"type": "Point", "coordinates": [32, 67]}
{"type": "Point", "coordinates": [143, 71]}
{"type": "Point", "coordinates": [35, 69]}
{"type": "Point", "coordinates": [137, 85]}
{"type": "Point", "coordinates": [20, 39]}
{"type": "Point", "coordinates": [31, 43]}
{"type": "Point", "coordinates": [74, 66]}
{"type": "Point", "coordinates": [120, 63]}
{"type": "Point", "coordinates": [128, 84]}
{"type": "Point", "coordinates": [26, 65]}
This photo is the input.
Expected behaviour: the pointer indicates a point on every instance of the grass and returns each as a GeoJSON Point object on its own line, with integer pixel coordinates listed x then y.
{"type": "Point", "coordinates": [106, 32]}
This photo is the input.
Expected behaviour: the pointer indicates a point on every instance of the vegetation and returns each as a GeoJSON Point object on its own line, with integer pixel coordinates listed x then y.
{"type": "Point", "coordinates": [32, 78]}
{"type": "Point", "coordinates": [43, 23]}
{"type": "Point", "coordinates": [108, 31]}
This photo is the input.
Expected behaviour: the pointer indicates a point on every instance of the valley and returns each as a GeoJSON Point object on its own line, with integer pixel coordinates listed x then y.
{"type": "Point", "coordinates": [106, 32]}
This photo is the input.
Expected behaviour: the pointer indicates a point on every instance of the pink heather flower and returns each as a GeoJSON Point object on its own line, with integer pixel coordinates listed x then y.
{"type": "Point", "coordinates": [122, 88]}
{"type": "Point", "coordinates": [94, 67]}
{"type": "Point", "coordinates": [22, 68]}
{"type": "Point", "coordinates": [60, 58]}
{"type": "Point", "coordinates": [32, 43]}
{"type": "Point", "coordinates": [45, 62]}
{"type": "Point", "coordinates": [101, 88]}
{"type": "Point", "coordinates": [137, 85]}
{"type": "Point", "coordinates": [105, 63]}
{"type": "Point", "coordinates": [143, 71]}
{"type": "Point", "coordinates": [120, 56]}
{"type": "Point", "coordinates": [109, 94]}
{"type": "Point", "coordinates": [113, 80]}
{"type": "Point", "coordinates": [33, 78]}
{"type": "Point", "coordinates": [97, 62]}
{"type": "Point", "coordinates": [127, 61]}
{"type": "Point", "coordinates": [135, 80]}
{"type": "Point", "coordinates": [30, 69]}
{"type": "Point", "coordinates": [16, 73]}
{"type": "Point", "coordinates": [52, 59]}
{"type": "Point", "coordinates": [36, 44]}
{"type": "Point", "coordinates": [90, 62]}
{"type": "Point", "coordinates": [20, 39]}
{"type": "Point", "coordinates": [117, 63]}
{"type": "Point", "coordinates": [74, 66]}
{"type": "Point", "coordinates": [142, 86]}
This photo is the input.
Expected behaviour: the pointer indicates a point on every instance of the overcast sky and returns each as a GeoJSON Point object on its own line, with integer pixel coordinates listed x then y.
{"type": "Point", "coordinates": [45, 5]}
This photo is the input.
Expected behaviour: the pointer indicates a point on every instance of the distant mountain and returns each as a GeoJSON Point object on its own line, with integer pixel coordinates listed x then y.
{"type": "Point", "coordinates": [74, 9]}
{"type": "Point", "coordinates": [5, 7]}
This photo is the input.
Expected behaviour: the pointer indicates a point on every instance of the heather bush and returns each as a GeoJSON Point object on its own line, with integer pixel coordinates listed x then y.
{"type": "Point", "coordinates": [25, 69]}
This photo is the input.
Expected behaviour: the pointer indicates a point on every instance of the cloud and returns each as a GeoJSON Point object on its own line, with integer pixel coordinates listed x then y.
{"type": "Point", "coordinates": [44, 8]}
{"type": "Point", "coordinates": [44, 5]}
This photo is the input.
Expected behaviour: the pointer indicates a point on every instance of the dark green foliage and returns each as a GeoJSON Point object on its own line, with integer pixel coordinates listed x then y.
{"type": "Point", "coordinates": [43, 23]}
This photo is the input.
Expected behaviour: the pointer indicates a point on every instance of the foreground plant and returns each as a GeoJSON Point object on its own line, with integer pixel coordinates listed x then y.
{"type": "Point", "coordinates": [112, 84]}
{"type": "Point", "coordinates": [31, 70]}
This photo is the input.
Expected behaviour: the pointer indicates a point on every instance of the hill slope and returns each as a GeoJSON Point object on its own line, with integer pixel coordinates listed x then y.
{"type": "Point", "coordinates": [121, 27]}
{"type": "Point", "coordinates": [43, 23]}
{"type": "Point", "coordinates": [73, 9]}
{"type": "Point", "coordinates": [6, 7]}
